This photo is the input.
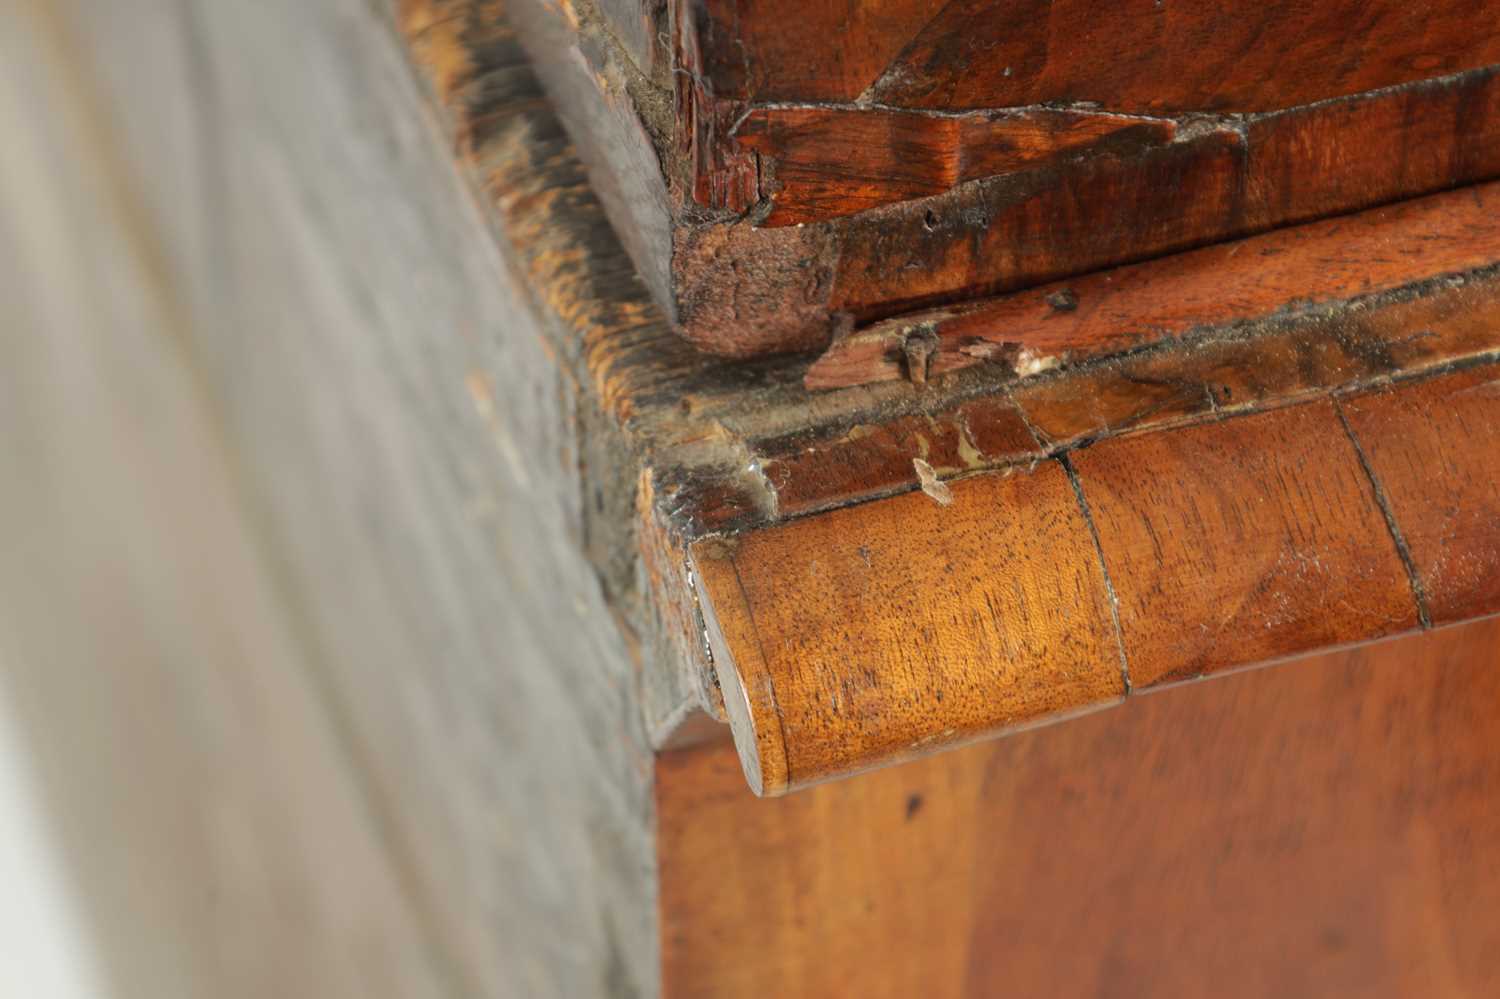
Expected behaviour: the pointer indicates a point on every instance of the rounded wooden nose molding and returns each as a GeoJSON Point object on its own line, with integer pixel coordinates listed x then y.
{"type": "Point", "coordinates": [875, 633]}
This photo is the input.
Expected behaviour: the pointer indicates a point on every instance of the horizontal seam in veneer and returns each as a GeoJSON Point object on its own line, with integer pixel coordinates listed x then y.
{"type": "Point", "coordinates": [1109, 586]}
{"type": "Point", "coordinates": [1418, 591]}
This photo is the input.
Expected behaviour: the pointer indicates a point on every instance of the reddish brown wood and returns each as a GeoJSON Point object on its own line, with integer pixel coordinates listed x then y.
{"type": "Point", "coordinates": [1217, 371]}
{"type": "Point", "coordinates": [1344, 155]}
{"type": "Point", "coordinates": [874, 632]}
{"type": "Point", "coordinates": [744, 290]}
{"type": "Point", "coordinates": [703, 153]}
{"type": "Point", "coordinates": [817, 163]}
{"type": "Point", "coordinates": [1140, 55]}
{"type": "Point", "coordinates": [1285, 350]}
{"type": "Point", "coordinates": [1082, 216]}
{"type": "Point", "coordinates": [1326, 828]}
{"type": "Point", "coordinates": [809, 472]}
{"type": "Point", "coordinates": [1135, 55]}
{"type": "Point", "coordinates": [1221, 371]}
{"type": "Point", "coordinates": [1432, 450]}
{"type": "Point", "coordinates": [781, 51]}
{"type": "Point", "coordinates": [1303, 269]}
{"type": "Point", "coordinates": [1242, 541]}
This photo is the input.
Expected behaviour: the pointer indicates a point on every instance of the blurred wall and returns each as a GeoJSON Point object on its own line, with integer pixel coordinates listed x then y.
{"type": "Point", "coordinates": [305, 674]}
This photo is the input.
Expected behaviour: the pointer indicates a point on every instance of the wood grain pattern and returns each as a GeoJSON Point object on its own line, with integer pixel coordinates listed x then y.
{"type": "Point", "coordinates": [763, 290]}
{"type": "Point", "coordinates": [819, 163]}
{"type": "Point", "coordinates": [400, 427]}
{"type": "Point", "coordinates": [1132, 56]}
{"type": "Point", "coordinates": [1320, 160]}
{"type": "Point", "coordinates": [1302, 269]}
{"type": "Point", "coordinates": [764, 226]}
{"type": "Point", "coordinates": [1431, 448]}
{"type": "Point", "coordinates": [870, 634]}
{"type": "Point", "coordinates": [1139, 55]}
{"type": "Point", "coordinates": [981, 417]}
{"type": "Point", "coordinates": [1242, 541]}
{"type": "Point", "coordinates": [738, 447]}
{"type": "Point", "coordinates": [1290, 167]}
{"type": "Point", "coordinates": [1213, 546]}
{"type": "Point", "coordinates": [750, 53]}
{"type": "Point", "coordinates": [1326, 828]}
{"type": "Point", "coordinates": [1221, 371]}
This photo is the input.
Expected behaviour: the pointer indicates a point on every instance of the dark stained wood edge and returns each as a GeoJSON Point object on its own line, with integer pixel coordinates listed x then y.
{"type": "Point", "coordinates": [1318, 267]}
{"type": "Point", "coordinates": [744, 290]}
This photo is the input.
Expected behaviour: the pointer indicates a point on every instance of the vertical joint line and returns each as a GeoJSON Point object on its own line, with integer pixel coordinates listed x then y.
{"type": "Point", "coordinates": [1109, 586]}
{"type": "Point", "coordinates": [1418, 591]}
{"type": "Point", "coordinates": [1037, 437]}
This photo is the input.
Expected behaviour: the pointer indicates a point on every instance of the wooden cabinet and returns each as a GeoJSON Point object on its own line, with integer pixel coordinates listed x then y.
{"type": "Point", "coordinates": [706, 500]}
{"type": "Point", "coordinates": [992, 494]}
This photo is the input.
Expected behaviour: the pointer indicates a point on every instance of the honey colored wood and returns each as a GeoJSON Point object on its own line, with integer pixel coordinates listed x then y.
{"type": "Point", "coordinates": [878, 631]}
{"type": "Point", "coordinates": [726, 449]}
{"type": "Point", "coordinates": [1322, 829]}
{"type": "Point", "coordinates": [873, 633]}
{"type": "Point", "coordinates": [1432, 451]}
{"type": "Point", "coordinates": [1302, 269]}
{"type": "Point", "coordinates": [1243, 541]}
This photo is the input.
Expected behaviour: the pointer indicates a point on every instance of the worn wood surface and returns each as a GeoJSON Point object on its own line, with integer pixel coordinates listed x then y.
{"type": "Point", "coordinates": [878, 631]}
{"type": "Point", "coordinates": [343, 476]}
{"type": "Point", "coordinates": [833, 162]}
{"type": "Point", "coordinates": [739, 448]}
{"type": "Point", "coordinates": [1326, 828]}
{"type": "Point", "coordinates": [1134, 194]}
{"type": "Point", "coordinates": [1171, 364]}
{"type": "Point", "coordinates": [1311, 268]}
{"type": "Point", "coordinates": [773, 189]}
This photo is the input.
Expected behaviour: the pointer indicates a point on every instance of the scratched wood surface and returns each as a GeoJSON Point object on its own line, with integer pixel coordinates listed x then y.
{"type": "Point", "coordinates": [882, 630]}
{"type": "Point", "coordinates": [1326, 828]}
{"type": "Point", "coordinates": [1308, 268]}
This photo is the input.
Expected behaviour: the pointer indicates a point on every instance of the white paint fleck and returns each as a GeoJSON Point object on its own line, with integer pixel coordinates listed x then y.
{"type": "Point", "coordinates": [931, 484]}
{"type": "Point", "coordinates": [1029, 362]}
